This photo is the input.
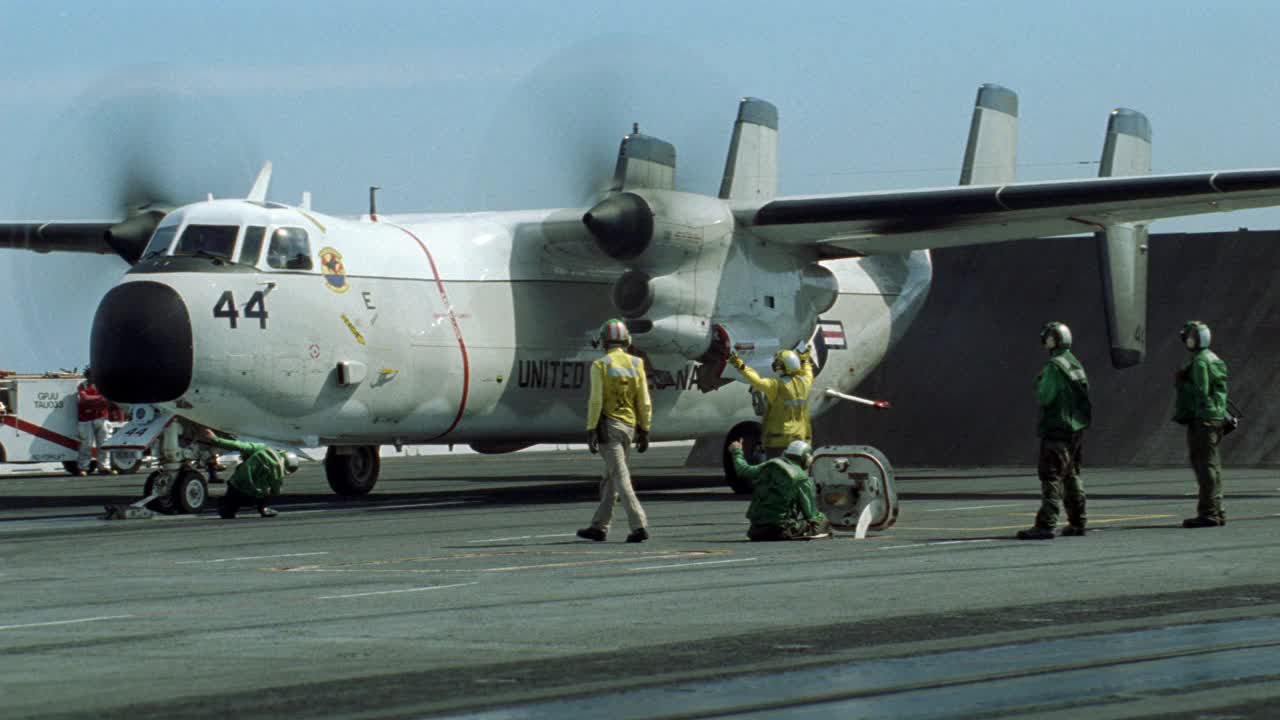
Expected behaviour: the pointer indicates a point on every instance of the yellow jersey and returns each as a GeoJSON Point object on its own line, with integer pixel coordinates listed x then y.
{"type": "Point", "coordinates": [619, 390]}
{"type": "Point", "coordinates": [787, 416]}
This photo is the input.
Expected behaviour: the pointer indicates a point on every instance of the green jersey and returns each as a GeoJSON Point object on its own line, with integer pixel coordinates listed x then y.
{"type": "Point", "coordinates": [1202, 389]}
{"type": "Point", "coordinates": [783, 492]}
{"type": "Point", "coordinates": [1062, 389]}
{"type": "Point", "coordinates": [261, 470]}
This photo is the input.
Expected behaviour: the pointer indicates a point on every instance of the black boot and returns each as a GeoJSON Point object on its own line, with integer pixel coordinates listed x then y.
{"type": "Point", "coordinates": [1036, 533]}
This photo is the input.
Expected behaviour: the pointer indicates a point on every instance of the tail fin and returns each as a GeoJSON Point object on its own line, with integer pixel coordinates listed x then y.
{"type": "Point", "coordinates": [993, 138]}
{"type": "Point", "coordinates": [751, 170]}
{"type": "Point", "coordinates": [1122, 248]}
{"type": "Point", "coordinates": [645, 161]}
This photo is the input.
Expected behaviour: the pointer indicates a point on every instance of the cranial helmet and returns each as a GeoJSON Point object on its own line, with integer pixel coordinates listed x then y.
{"type": "Point", "coordinates": [1059, 333]}
{"type": "Point", "coordinates": [786, 362]}
{"type": "Point", "coordinates": [290, 463]}
{"type": "Point", "coordinates": [799, 452]}
{"type": "Point", "coordinates": [1198, 333]}
{"type": "Point", "coordinates": [614, 332]}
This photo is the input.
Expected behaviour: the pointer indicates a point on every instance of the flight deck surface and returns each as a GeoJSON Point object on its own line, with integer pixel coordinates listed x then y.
{"type": "Point", "coordinates": [458, 588]}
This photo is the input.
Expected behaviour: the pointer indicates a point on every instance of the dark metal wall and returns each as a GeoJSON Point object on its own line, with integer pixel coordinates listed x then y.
{"type": "Point", "coordinates": [961, 380]}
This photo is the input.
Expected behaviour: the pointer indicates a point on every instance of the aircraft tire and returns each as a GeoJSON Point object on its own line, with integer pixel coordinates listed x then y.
{"type": "Point", "coordinates": [353, 472]}
{"type": "Point", "coordinates": [191, 492]}
{"type": "Point", "coordinates": [129, 469]}
{"type": "Point", "coordinates": [163, 504]}
{"type": "Point", "coordinates": [750, 433]}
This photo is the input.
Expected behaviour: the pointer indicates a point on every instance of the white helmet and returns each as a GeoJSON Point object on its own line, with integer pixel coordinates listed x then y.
{"type": "Point", "coordinates": [786, 362]}
{"type": "Point", "coordinates": [799, 452]}
{"type": "Point", "coordinates": [1058, 333]}
{"type": "Point", "coordinates": [290, 463]}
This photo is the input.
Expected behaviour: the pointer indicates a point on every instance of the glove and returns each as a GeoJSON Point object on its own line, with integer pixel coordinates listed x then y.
{"type": "Point", "coordinates": [593, 441]}
{"type": "Point", "coordinates": [736, 361]}
{"type": "Point", "coordinates": [642, 440]}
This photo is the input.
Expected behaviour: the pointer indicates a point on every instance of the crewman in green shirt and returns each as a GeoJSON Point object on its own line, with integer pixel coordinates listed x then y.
{"type": "Point", "coordinates": [1062, 390]}
{"type": "Point", "coordinates": [259, 475]}
{"type": "Point", "coordinates": [1202, 406]}
{"type": "Point", "coordinates": [783, 498]}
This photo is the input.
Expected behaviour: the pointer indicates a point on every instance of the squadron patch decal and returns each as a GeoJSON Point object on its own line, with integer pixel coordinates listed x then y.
{"type": "Point", "coordinates": [335, 273]}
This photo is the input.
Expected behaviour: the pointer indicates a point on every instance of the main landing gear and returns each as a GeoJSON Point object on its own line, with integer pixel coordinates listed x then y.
{"type": "Point", "coordinates": [352, 469]}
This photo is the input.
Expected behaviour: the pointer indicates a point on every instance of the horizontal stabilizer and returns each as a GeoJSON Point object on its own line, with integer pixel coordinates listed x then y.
{"type": "Point", "coordinates": [645, 161]}
{"type": "Point", "coordinates": [751, 170]}
{"type": "Point", "coordinates": [992, 151]}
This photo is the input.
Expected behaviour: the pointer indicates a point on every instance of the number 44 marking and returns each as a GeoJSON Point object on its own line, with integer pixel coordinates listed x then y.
{"type": "Point", "coordinates": [256, 308]}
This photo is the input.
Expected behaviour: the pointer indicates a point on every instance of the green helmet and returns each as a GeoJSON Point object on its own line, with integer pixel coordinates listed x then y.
{"type": "Point", "coordinates": [1198, 333]}
{"type": "Point", "coordinates": [1060, 333]}
{"type": "Point", "coordinates": [614, 332]}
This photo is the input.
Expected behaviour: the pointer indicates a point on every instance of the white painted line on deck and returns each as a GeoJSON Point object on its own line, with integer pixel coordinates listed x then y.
{"type": "Point", "coordinates": [692, 564]}
{"type": "Point", "coordinates": [250, 557]}
{"type": "Point", "coordinates": [393, 592]}
{"type": "Point", "coordinates": [523, 537]}
{"type": "Point", "coordinates": [935, 544]}
{"type": "Point", "coordinates": [418, 505]}
{"type": "Point", "coordinates": [974, 507]}
{"type": "Point", "coordinates": [65, 622]}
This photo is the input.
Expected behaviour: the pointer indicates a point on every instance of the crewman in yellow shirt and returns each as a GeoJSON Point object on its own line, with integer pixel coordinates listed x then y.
{"type": "Point", "coordinates": [618, 414]}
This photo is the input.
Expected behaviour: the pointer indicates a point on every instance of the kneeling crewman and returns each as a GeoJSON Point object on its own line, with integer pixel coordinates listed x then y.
{"type": "Point", "coordinates": [783, 499]}
{"type": "Point", "coordinates": [259, 475]}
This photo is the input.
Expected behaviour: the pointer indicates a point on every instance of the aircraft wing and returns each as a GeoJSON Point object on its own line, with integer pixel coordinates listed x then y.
{"type": "Point", "coordinates": [899, 221]}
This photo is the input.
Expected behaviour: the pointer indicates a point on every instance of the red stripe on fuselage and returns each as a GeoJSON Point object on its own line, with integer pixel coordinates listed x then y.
{"type": "Point", "coordinates": [40, 432]}
{"type": "Point", "coordinates": [457, 331]}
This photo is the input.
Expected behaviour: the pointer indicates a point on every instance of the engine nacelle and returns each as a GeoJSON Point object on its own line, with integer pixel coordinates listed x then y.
{"type": "Point", "coordinates": [674, 246]}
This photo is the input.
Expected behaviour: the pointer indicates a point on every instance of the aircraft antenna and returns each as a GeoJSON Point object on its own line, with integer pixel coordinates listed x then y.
{"type": "Point", "coordinates": [373, 202]}
{"type": "Point", "coordinates": [635, 128]}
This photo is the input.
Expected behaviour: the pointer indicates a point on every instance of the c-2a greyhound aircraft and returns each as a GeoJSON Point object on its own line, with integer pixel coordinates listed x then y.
{"type": "Point", "coordinates": [281, 323]}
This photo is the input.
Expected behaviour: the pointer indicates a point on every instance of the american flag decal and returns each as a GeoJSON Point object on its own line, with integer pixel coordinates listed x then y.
{"type": "Point", "coordinates": [832, 332]}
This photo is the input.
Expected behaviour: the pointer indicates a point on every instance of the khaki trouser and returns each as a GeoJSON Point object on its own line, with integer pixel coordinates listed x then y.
{"type": "Point", "coordinates": [1059, 471]}
{"type": "Point", "coordinates": [93, 434]}
{"type": "Point", "coordinates": [1202, 442]}
{"type": "Point", "coordinates": [615, 448]}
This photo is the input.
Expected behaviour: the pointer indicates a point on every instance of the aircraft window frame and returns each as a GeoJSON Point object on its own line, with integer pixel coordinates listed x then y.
{"type": "Point", "coordinates": [247, 240]}
{"type": "Point", "coordinates": [217, 234]}
{"type": "Point", "coordinates": [152, 250]}
{"type": "Point", "coordinates": [291, 258]}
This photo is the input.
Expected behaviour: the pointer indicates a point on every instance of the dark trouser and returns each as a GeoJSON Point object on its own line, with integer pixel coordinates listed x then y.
{"type": "Point", "coordinates": [1202, 442]}
{"type": "Point", "coordinates": [1060, 480]}
{"type": "Point", "coordinates": [234, 499]}
{"type": "Point", "coordinates": [767, 532]}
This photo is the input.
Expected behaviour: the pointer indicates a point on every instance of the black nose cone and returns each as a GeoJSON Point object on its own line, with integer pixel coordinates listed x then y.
{"type": "Point", "coordinates": [140, 349]}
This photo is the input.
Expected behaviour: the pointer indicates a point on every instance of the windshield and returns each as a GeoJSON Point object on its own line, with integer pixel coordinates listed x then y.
{"type": "Point", "coordinates": [161, 239]}
{"type": "Point", "coordinates": [216, 240]}
{"type": "Point", "coordinates": [290, 249]}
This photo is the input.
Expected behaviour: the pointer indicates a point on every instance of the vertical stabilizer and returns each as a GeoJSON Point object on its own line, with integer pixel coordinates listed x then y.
{"type": "Point", "coordinates": [751, 170]}
{"type": "Point", "coordinates": [645, 161]}
{"type": "Point", "coordinates": [993, 138]}
{"type": "Point", "coordinates": [1122, 248]}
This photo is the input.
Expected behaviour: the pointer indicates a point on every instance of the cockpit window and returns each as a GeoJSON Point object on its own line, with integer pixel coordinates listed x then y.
{"type": "Point", "coordinates": [219, 240]}
{"type": "Point", "coordinates": [161, 239]}
{"type": "Point", "coordinates": [252, 246]}
{"type": "Point", "coordinates": [290, 249]}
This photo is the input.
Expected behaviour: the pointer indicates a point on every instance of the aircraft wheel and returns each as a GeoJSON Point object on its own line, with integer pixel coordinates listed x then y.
{"type": "Point", "coordinates": [163, 480]}
{"type": "Point", "coordinates": [191, 492]}
{"type": "Point", "coordinates": [353, 471]}
{"type": "Point", "coordinates": [750, 434]}
{"type": "Point", "coordinates": [130, 467]}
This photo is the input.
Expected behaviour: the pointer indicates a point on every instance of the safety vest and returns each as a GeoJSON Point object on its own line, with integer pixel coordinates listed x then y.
{"type": "Point", "coordinates": [787, 417]}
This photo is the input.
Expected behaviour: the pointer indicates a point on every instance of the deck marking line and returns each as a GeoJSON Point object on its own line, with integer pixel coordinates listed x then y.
{"type": "Point", "coordinates": [974, 507]}
{"type": "Point", "coordinates": [934, 544]}
{"type": "Point", "coordinates": [66, 622]}
{"type": "Point", "coordinates": [393, 592]}
{"type": "Point", "coordinates": [692, 564]}
{"type": "Point", "coordinates": [250, 557]}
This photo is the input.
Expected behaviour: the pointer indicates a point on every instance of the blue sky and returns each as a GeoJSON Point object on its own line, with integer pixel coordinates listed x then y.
{"type": "Point", "coordinates": [499, 105]}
